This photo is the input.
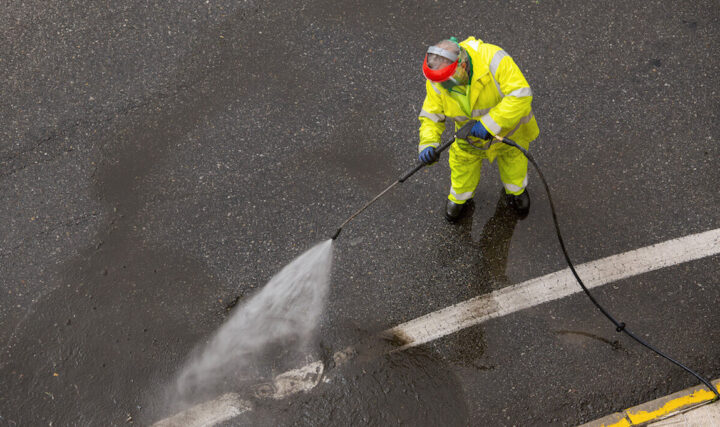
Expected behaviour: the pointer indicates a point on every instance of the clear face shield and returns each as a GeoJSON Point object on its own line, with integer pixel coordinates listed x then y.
{"type": "Point", "coordinates": [455, 74]}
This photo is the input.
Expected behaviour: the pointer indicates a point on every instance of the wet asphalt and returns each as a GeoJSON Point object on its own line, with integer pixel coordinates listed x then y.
{"type": "Point", "coordinates": [159, 163]}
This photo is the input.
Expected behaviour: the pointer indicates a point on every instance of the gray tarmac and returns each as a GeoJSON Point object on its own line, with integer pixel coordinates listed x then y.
{"type": "Point", "coordinates": [160, 161]}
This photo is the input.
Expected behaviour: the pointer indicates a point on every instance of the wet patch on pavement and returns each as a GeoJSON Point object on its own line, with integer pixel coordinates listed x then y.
{"type": "Point", "coordinates": [377, 387]}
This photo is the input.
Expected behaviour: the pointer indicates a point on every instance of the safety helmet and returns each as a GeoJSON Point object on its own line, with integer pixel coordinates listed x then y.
{"type": "Point", "coordinates": [452, 74]}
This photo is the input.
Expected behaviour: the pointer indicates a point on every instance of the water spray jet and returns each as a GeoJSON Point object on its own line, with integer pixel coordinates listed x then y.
{"type": "Point", "coordinates": [288, 383]}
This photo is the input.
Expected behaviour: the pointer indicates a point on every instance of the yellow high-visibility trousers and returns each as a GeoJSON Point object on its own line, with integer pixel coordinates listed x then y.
{"type": "Point", "coordinates": [466, 167]}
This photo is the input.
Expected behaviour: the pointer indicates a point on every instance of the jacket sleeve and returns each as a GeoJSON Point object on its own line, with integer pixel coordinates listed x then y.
{"type": "Point", "coordinates": [432, 118]}
{"type": "Point", "coordinates": [515, 106]}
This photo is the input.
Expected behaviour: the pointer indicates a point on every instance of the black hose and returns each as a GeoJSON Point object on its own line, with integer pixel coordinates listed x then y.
{"type": "Point", "coordinates": [619, 326]}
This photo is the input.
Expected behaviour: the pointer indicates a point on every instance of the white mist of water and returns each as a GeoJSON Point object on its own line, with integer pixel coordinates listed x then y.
{"type": "Point", "coordinates": [283, 313]}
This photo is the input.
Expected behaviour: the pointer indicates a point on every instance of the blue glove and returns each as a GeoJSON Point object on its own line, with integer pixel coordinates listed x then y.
{"type": "Point", "coordinates": [428, 155]}
{"type": "Point", "coordinates": [479, 131]}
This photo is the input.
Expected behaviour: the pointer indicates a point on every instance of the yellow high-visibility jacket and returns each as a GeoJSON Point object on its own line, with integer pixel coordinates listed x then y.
{"type": "Point", "coordinates": [500, 98]}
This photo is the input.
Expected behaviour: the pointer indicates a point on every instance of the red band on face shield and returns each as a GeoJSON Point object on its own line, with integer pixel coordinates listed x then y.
{"type": "Point", "coordinates": [439, 75]}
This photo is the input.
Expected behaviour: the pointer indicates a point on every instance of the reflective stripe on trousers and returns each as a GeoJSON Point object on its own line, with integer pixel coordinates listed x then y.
{"type": "Point", "coordinates": [460, 197]}
{"type": "Point", "coordinates": [516, 189]}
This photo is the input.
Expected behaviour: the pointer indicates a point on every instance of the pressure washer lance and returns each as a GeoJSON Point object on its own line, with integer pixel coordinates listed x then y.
{"type": "Point", "coordinates": [463, 132]}
{"type": "Point", "coordinates": [619, 326]}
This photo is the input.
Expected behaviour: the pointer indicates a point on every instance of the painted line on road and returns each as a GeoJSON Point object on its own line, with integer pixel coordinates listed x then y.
{"type": "Point", "coordinates": [688, 407]}
{"type": "Point", "coordinates": [477, 310]}
{"type": "Point", "coordinates": [555, 286]}
{"type": "Point", "coordinates": [216, 411]}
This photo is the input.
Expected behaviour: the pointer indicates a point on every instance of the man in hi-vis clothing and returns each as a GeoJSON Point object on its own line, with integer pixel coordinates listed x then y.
{"type": "Point", "coordinates": [479, 81]}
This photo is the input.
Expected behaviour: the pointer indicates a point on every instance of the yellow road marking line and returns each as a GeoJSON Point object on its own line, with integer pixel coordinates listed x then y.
{"type": "Point", "coordinates": [639, 417]}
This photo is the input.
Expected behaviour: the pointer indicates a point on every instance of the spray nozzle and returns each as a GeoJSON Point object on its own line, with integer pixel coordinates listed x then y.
{"type": "Point", "coordinates": [337, 233]}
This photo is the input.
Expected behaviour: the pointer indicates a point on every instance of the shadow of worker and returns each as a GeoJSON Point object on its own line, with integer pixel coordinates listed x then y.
{"type": "Point", "coordinates": [482, 264]}
{"type": "Point", "coordinates": [488, 256]}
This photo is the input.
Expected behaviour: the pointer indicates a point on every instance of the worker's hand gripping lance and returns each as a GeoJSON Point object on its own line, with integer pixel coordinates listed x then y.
{"type": "Point", "coordinates": [461, 133]}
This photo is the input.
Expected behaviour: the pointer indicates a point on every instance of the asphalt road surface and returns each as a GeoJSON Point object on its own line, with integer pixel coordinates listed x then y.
{"type": "Point", "coordinates": [161, 161]}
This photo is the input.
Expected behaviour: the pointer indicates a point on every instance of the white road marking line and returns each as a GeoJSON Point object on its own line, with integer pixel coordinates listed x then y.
{"type": "Point", "coordinates": [555, 286]}
{"type": "Point", "coordinates": [479, 309]}
{"type": "Point", "coordinates": [208, 413]}
{"type": "Point", "coordinates": [293, 381]}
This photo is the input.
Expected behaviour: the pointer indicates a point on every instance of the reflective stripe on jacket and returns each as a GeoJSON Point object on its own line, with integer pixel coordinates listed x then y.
{"type": "Point", "coordinates": [500, 98]}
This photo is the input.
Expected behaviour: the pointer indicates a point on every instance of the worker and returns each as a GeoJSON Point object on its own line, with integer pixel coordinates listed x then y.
{"type": "Point", "coordinates": [478, 85]}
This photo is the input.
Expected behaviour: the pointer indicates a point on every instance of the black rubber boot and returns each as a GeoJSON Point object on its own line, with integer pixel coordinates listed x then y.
{"type": "Point", "coordinates": [519, 203]}
{"type": "Point", "coordinates": [454, 211]}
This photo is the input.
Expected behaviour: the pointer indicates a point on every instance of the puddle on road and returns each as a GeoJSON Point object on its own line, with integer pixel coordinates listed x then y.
{"type": "Point", "coordinates": [411, 387]}
{"type": "Point", "coordinates": [582, 338]}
